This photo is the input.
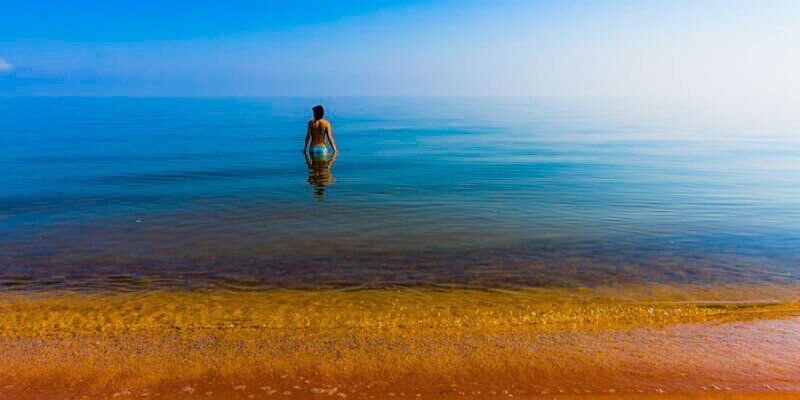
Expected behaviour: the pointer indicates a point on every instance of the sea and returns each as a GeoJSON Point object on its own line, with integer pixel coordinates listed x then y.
{"type": "Point", "coordinates": [127, 194]}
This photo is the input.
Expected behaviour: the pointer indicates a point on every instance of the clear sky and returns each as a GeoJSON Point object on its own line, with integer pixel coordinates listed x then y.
{"type": "Point", "coordinates": [692, 48]}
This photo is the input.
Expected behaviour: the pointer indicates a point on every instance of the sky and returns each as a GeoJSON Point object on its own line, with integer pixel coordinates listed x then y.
{"type": "Point", "coordinates": [683, 49]}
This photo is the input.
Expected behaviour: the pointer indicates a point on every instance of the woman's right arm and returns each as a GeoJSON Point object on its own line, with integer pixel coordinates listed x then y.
{"type": "Point", "coordinates": [330, 139]}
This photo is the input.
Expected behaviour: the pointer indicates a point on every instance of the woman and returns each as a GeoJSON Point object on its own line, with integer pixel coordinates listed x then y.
{"type": "Point", "coordinates": [318, 130]}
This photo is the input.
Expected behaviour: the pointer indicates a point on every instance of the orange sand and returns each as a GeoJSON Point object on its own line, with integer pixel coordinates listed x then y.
{"type": "Point", "coordinates": [639, 342]}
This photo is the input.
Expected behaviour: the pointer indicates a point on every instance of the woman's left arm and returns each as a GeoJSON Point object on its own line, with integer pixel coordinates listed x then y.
{"type": "Point", "coordinates": [308, 137]}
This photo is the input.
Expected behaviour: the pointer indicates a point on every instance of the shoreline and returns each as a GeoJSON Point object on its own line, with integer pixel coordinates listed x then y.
{"type": "Point", "coordinates": [616, 342]}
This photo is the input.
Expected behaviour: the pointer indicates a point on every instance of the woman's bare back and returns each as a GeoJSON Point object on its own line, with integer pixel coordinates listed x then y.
{"type": "Point", "coordinates": [319, 131]}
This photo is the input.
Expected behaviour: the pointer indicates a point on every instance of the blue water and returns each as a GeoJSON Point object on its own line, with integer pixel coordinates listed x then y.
{"type": "Point", "coordinates": [129, 193]}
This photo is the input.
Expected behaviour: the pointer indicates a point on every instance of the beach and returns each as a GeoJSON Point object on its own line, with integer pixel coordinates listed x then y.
{"type": "Point", "coordinates": [400, 199]}
{"type": "Point", "coordinates": [457, 248]}
{"type": "Point", "coordinates": [615, 342]}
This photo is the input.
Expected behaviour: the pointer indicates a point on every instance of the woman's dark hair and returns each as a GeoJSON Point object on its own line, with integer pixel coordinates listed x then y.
{"type": "Point", "coordinates": [319, 112]}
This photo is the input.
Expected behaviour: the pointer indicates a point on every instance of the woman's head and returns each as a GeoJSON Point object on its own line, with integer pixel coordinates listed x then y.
{"type": "Point", "coordinates": [319, 112]}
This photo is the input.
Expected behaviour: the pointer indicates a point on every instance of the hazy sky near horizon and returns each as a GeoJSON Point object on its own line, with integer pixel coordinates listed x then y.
{"type": "Point", "coordinates": [706, 48]}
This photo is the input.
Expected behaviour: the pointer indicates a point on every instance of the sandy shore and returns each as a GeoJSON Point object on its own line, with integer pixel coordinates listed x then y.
{"type": "Point", "coordinates": [622, 342]}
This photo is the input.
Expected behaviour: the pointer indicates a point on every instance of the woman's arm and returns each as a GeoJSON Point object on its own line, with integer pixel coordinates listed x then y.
{"type": "Point", "coordinates": [330, 139]}
{"type": "Point", "coordinates": [308, 137]}
{"type": "Point", "coordinates": [331, 160]}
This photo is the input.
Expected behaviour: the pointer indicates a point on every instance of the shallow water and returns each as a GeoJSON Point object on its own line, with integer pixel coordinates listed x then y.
{"type": "Point", "coordinates": [405, 342]}
{"type": "Point", "coordinates": [126, 193]}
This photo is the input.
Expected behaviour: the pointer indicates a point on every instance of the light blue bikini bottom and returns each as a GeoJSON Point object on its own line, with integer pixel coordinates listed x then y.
{"type": "Point", "coordinates": [319, 151]}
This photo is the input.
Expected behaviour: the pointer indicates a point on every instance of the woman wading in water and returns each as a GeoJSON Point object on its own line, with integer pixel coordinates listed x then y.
{"type": "Point", "coordinates": [319, 165]}
{"type": "Point", "coordinates": [318, 130]}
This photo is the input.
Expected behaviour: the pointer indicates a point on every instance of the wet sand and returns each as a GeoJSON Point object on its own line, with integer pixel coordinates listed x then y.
{"type": "Point", "coordinates": [616, 342]}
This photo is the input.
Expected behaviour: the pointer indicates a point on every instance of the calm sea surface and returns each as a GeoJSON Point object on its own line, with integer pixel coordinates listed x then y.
{"type": "Point", "coordinates": [126, 193]}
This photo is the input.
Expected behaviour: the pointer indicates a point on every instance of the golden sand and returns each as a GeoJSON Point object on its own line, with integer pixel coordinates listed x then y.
{"type": "Point", "coordinates": [410, 343]}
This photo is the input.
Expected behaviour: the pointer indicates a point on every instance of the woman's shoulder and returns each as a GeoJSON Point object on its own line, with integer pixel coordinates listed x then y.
{"type": "Point", "coordinates": [319, 123]}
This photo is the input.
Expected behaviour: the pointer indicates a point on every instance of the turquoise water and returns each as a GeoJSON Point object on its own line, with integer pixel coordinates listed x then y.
{"type": "Point", "coordinates": [130, 193]}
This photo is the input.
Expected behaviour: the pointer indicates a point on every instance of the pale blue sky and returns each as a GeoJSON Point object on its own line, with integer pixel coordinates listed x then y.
{"type": "Point", "coordinates": [710, 48]}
